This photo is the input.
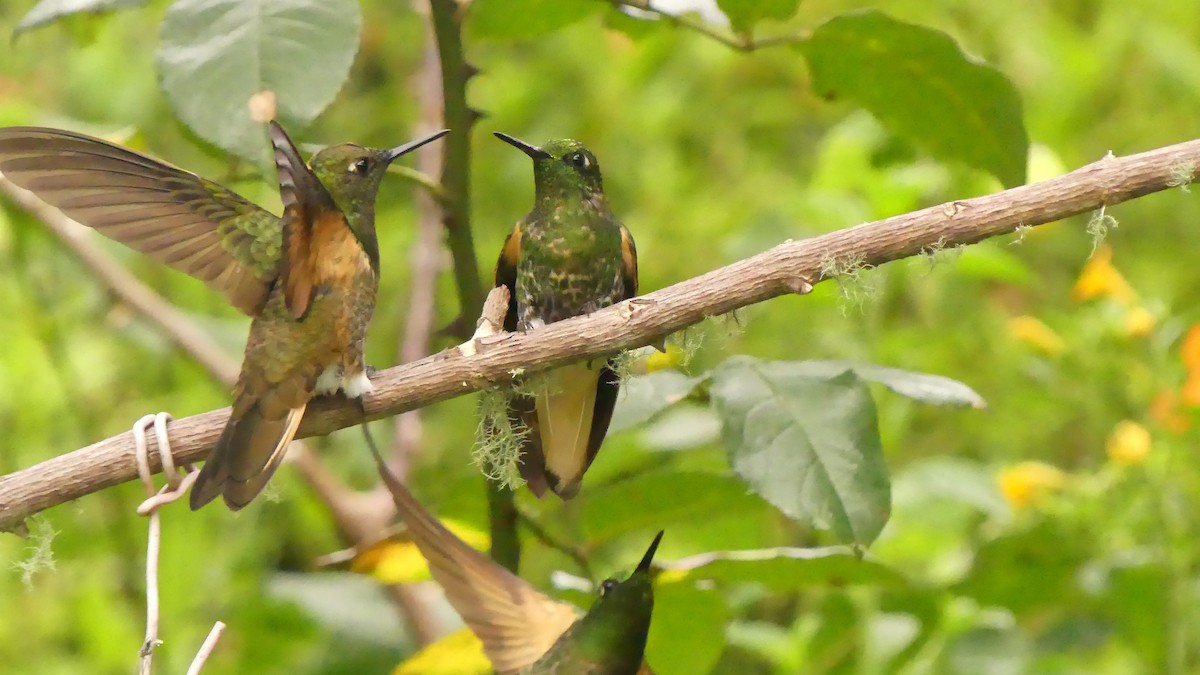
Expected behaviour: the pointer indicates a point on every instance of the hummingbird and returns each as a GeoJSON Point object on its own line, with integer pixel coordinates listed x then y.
{"type": "Point", "coordinates": [567, 257]}
{"type": "Point", "coordinates": [523, 631]}
{"type": "Point", "coordinates": [308, 279]}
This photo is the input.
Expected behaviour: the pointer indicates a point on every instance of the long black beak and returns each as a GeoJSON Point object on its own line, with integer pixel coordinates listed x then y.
{"type": "Point", "coordinates": [644, 566]}
{"type": "Point", "coordinates": [532, 150]}
{"type": "Point", "coordinates": [409, 147]}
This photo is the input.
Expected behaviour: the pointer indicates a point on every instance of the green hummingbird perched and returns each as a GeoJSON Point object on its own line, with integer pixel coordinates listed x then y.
{"type": "Point", "coordinates": [524, 632]}
{"type": "Point", "coordinates": [308, 279]}
{"type": "Point", "coordinates": [567, 257]}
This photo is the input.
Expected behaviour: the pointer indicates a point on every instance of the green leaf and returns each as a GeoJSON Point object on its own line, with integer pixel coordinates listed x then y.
{"type": "Point", "coordinates": [49, 11]}
{"type": "Point", "coordinates": [743, 14]}
{"type": "Point", "coordinates": [1136, 599]}
{"type": "Point", "coordinates": [683, 428]}
{"type": "Point", "coordinates": [654, 500]}
{"type": "Point", "coordinates": [645, 396]}
{"type": "Point", "coordinates": [809, 444]}
{"type": "Point", "coordinates": [994, 651]}
{"type": "Point", "coordinates": [787, 569]}
{"type": "Point", "coordinates": [959, 480]}
{"type": "Point", "coordinates": [215, 54]}
{"type": "Point", "coordinates": [687, 634]}
{"type": "Point", "coordinates": [921, 85]}
{"type": "Point", "coordinates": [524, 19]}
{"type": "Point", "coordinates": [922, 387]}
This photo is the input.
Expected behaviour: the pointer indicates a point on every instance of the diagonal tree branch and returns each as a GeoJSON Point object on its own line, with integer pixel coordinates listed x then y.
{"type": "Point", "coordinates": [175, 324]}
{"type": "Point", "coordinates": [791, 267]}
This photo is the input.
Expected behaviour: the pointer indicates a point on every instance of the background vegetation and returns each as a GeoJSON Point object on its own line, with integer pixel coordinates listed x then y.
{"type": "Point", "coordinates": [1052, 532]}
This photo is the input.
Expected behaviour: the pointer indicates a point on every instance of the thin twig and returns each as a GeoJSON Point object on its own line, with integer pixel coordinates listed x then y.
{"type": "Point", "coordinates": [740, 42]}
{"type": "Point", "coordinates": [176, 487]}
{"type": "Point", "coordinates": [791, 267]}
{"type": "Point", "coordinates": [543, 535]}
{"type": "Point", "coordinates": [425, 181]}
{"type": "Point", "coordinates": [206, 649]}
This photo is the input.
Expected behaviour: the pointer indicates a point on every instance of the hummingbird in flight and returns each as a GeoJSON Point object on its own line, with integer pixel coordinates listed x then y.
{"type": "Point", "coordinates": [523, 631]}
{"type": "Point", "coordinates": [308, 279]}
{"type": "Point", "coordinates": [567, 257]}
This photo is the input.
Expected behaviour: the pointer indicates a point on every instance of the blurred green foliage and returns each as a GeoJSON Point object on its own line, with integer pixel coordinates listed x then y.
{"type": "Point", "coordinates": [1053, 532]}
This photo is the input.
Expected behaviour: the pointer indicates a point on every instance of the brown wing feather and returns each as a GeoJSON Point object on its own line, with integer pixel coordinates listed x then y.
{"type": "Point", "coordinates": [307, 207]}
{"type": "Point", "coordinates": [515, 622]}
{"type": "Point", "coordinates": [629, 265]}
{"type": "Point", "coordinates": [506, 273]}
{"type": "Point", "coordinates": [165, 212]}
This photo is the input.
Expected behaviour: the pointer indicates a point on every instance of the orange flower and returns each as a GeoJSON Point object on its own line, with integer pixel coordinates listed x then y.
{"type": "Point", "coordinates": [1036, 334]}
{"type": "Point", "coordinates": [1129, 443]}
{"type": "Point", "coordinates": [1100, 279]}
{"type": "Point", "coordinates": [1189, 350]}
{"type": "Point", "coordinates": [1026, 484]}
{"type": "Point", "coordinates": [1165, 410]}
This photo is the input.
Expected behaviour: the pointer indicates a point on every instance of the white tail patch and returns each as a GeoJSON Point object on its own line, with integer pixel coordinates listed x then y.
{"type": "Point", "coordinates": [565, 411]}
{"type": "Point", "coordinates": [334, 377]}
{"type": "Point", "coordinates": [357, 385]}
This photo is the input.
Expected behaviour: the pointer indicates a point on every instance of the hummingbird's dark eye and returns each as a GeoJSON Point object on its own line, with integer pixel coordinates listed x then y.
{"type": "Point", "coordinates": [579, 160]}
{"type": "Point", "coordinates": [606, 586]}
{"type": "Point", "coordinates": [359, 167]}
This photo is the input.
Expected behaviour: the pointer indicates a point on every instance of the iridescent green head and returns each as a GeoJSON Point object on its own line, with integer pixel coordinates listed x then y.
{"type": "Point", "coordinates": [352, 173]}
{"type": "Point", "coordinates": [561, 167]}
{"type": "Point", "coordinates": [615, 627]}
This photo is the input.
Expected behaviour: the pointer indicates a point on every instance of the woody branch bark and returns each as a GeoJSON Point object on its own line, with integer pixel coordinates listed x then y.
{"type": "Point", "coordinates": [791, 267]}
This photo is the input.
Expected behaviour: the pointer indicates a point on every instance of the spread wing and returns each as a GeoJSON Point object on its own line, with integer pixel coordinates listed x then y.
{"type": "Point", "coordinates": [174, 216]}
{"type": "Point", "coordinates": [309, 212]}
{"type": "Point", "coordinates": [515, 622]}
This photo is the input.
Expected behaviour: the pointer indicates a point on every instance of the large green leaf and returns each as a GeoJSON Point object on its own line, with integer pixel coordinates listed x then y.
{"type": "Point", "coordinates": [48, 11]}
{"type": "Point", "coordinates": [215, 54]}
{"type": "Point", "coordinates": [743, 14]}
{"type": "Point", "coordinates": [922, 86]}
{"type": "Point", "coordinates": [922, 387]}
{"type": "Point", "coordinates": [655, 499]}
{"type": "Point", "coordinates": [809, 444]}
{"type": "Point", "coordinates": [787, 569]}
{"type": "Point", "coordinates": [523, 19]}
{"type": "Point", "coordinates": [687, 634]}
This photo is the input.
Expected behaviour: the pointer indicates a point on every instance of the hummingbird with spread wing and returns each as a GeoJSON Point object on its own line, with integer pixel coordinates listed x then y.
{"type": "Point", "coordinates": [567, 257]}
{"type": "Point", "coordinates": [308, 279]}
{"type": "Point", "coordinates": [523, 631]}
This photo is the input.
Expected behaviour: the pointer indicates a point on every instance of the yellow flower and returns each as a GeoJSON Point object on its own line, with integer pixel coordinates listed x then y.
{"type": "Point", "coordinates": [396, 560]}
{"type": "Point", "coordinates": [1139, 321]}
{"type": "Point", "coordinates": [1129, 443]}
{"type": "Point", "coordinates": [1027, 483]}
{"type": "Point", "coordinates": [672, 358]}
{"type": "Point", "coordinates": [1100, 279]}
{"type": "Point", "coordinates": [1036, 334]}
{"type": "Point", "coordinates": [459, 653]}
